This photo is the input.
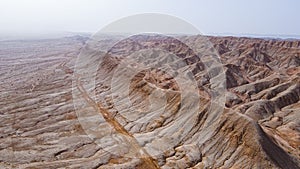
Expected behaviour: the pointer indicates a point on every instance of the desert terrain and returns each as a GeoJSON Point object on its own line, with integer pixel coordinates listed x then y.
{"type": "Point", "coordinates": [240, 109]}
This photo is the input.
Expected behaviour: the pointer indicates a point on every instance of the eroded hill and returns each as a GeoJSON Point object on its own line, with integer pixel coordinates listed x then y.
{"type": "Point", "coordinates": [256, 127]}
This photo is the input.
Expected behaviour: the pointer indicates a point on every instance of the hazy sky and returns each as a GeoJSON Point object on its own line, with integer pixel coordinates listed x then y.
{"type": "Point", "coordinates": [210, 16]}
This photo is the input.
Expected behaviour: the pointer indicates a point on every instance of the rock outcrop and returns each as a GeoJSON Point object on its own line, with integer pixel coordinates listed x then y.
{"type": "Point", "coordinates": [170, 122]}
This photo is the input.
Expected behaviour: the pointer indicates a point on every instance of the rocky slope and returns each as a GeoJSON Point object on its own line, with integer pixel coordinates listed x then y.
{"type": "Point", "coordinates": [52, 117]}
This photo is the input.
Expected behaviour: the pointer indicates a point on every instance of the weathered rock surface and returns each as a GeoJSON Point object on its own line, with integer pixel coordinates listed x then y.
{"type": "Point", "coordinates": [258, 127]}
